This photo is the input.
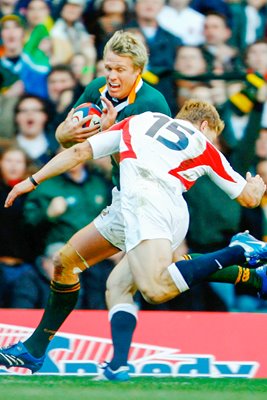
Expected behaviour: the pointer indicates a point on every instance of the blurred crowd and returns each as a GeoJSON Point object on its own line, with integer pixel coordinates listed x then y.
{"type": "Point", "coordinates": [214, 50]}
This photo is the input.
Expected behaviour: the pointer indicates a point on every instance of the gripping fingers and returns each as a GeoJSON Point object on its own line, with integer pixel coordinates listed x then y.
{"type": "Point", "coordinates": [82, 134]}
{"type": "Point", "coordinates": [70, 115]}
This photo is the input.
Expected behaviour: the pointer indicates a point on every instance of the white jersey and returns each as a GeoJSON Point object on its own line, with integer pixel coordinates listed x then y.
{"type": "Point", "coordinates": [173, 152]}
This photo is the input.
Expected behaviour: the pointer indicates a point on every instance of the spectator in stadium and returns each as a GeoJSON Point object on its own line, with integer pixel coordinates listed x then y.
{"type": "Point", "coordinates": [248, 22]}
{"type": "Point", "coordinates": [39, 23]}
{"type": "Point", "coordinates": [38, 14]}
{"type": "Point", "coordinates": [83, 71]}
{"type": "Point", "coordinates": [7, 7]}
{"type": "Point", "coordinates": [10, 88]}
{"type": "Point", "coordinates": [31, 116]}
{"type": "Point", "coordinates": [180, 19]}
{"type": "Point", "coordinates": [161, 46]}
{"type": "Point", "coordinates": [60, 78]}
{"type": "Point", "coordinates": [256, 57]}
{"type": "Point", "coordinates": [109, 16]}
{"type": "Point", "coordinates": [63, 90]}
{"type": "Point", "coordinates": [220, 55]}
{"type": "Point", "coordinates": [148, 264]}
{"type": "Point", "coordinates": [189, 62]}
{"type": "Point", "coordinates": [100, 68]}
{"type": "Point", "coordinates": [256, 62]}
{"type": "Point", "coordinates": [69, 35]}
{"type": "Point", "coordinates": [16, 250]}
{"type": "Point", "coordinates": [261, 144]}
{"type": "Point", "coordinates": [31, 68]}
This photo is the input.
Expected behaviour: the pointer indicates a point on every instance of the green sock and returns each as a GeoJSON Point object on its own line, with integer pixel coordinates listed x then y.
{"type": "Point", "coordinates": [235, 274]}
{"type": "Point", "coordinates": [61, 302]}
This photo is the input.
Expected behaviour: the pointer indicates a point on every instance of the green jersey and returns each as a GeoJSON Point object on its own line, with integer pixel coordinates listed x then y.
{"type": "Point", "coordinates": [141, 99]}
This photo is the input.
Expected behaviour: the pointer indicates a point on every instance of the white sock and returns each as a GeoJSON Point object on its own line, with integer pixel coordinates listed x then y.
{"type": "Point", "coordinates": [177, 278]}
{"type": "Point", "coordinates": [126, 307]}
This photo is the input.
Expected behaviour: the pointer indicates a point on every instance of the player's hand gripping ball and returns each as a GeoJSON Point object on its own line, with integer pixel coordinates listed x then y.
{"type": "Point", "coordinates": [85, 109]}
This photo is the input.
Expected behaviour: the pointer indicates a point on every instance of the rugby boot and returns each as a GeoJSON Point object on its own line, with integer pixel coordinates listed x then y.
{"type": "Point", "coordinates": [255, 250]}
{"type": "Point", "coordinates": [107, 374]}
{"type": "Point", "coordinates": [17, 355]}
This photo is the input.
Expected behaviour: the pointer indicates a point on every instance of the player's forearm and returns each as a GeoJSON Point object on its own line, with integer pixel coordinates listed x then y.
{"type": "Point", "coordinates": [64, 161]}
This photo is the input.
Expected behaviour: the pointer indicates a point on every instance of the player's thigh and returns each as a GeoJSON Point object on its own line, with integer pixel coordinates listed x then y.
{"type": "Point", "coordinates": [120, 284]}
{"type": "Point", "coordinates": [104, 236]}
{"type": "Point", "coordinates": [91, 245]}
{"type": "Point", "coordinates": [148, 260]}
{"type": "Point", "coordinates": [110, 222]}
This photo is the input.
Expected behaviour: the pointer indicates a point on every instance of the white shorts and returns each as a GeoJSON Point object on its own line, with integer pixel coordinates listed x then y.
{"type": "Point", "coordinates": [152, 212]}
{"type": "Point", "coordinates": [110, 222]}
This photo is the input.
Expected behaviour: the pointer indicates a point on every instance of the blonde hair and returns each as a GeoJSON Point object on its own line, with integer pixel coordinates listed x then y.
{"type": "Point", "coordinates": [197, 111]}
{"type": "Point", "coordinates": [128, 45]}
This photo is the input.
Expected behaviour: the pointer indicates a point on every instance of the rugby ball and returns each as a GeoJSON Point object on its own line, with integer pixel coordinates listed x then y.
{"type": "Point", "coordinates": [85, 109]}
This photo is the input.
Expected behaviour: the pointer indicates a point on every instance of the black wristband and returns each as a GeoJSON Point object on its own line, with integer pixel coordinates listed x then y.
{"type": "Point", "coordinates": [33, 181]}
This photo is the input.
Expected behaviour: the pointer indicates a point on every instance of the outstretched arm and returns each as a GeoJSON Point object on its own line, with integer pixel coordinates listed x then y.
{"type": "Point", "coordinates": [253, 191]}
{"type": "Point", "coordinates": [62, 162]}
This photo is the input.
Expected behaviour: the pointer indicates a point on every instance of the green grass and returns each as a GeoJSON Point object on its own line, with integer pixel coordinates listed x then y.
{"type": "Point", "coordinates": [83, 388]}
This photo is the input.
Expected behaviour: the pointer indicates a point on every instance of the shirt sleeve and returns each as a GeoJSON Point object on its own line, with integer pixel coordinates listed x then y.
{"type": "Point", "coordinates": [108, 142]}
{"type": "Point", "coordinates": [105, 144]}
{"type": "Point", "coordinates": [224, 176]}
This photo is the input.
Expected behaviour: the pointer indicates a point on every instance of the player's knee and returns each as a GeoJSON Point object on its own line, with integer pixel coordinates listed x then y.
{"type": "Point", "coordinates": [68, 264]}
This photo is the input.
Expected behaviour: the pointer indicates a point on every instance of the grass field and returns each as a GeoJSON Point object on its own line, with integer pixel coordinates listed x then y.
{"type": "Point", "coordinates": [83, 388]}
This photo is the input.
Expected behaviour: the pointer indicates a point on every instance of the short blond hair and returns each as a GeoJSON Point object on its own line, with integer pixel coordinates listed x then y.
{"type": "Point", "coordinates": [128, 45]}
{"type": "Point", "coordinates": [197, 111]}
